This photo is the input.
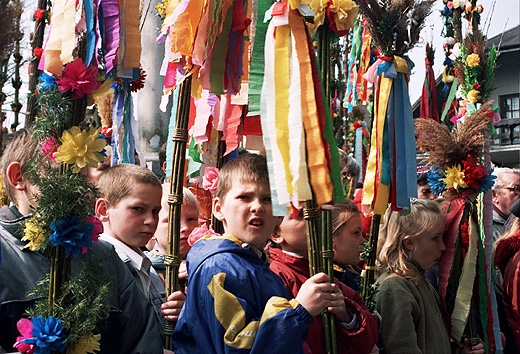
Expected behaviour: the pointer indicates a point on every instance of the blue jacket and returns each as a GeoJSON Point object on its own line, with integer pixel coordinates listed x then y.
{"type": "Point", "coordinates": [235, 304]}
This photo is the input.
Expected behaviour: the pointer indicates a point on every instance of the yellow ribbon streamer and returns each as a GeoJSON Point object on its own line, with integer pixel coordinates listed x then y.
{"type": "Point", "coordinates": [53, 62]}
{"type": "Point", "coordinates": [68, 32]}
{"type": "Point", "coordinates": [281, 81]}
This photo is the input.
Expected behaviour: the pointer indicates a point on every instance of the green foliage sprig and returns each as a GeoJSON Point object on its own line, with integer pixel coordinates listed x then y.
{"type": "Point", "coordinates": [54, 114]}
{"type": "Point", "coordinates": [89, 291]}
{"type": "Point", "coordinates": [62, 195]}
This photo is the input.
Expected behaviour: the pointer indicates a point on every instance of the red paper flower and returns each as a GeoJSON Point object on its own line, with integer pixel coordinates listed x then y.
{"type": "Point", "coordinates": [25, 328]}
{"type": "Point", "coordinates": [49, 147]}
{"type": "Point", "coordinates": [357, 124]}
{"type": "Point", "coordinates": [210, 179]}
{"type": "Point", "coordinates": [199, 232]}
{"type": "Point", "coordinates": [473, 173]}
{"type": "Point", "coordinates": [39, 14]}
{"type": "Point", "coordinates": [138, 84]}
{"type": "Point", "coordinates": [37, 52]}
{"type": "Point", "coordinates": [78, 79]}
{"type": "Point", "coordinates": [476, 86]}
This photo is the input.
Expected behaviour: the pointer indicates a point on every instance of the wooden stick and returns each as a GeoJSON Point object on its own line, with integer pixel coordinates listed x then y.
{"type": "Point", "coordinates": [172, 260]}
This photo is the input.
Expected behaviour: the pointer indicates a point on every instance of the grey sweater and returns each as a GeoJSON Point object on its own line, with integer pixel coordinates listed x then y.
{"type": "Point", "coordinates": [412, 321]}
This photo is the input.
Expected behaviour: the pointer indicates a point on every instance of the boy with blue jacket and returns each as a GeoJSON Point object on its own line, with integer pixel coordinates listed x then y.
{"type": "Point", "coordinates": [235, 304]}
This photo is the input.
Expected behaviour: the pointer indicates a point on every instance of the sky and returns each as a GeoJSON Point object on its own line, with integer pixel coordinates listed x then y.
{"type": "Point", "coordinates": [495, 19]}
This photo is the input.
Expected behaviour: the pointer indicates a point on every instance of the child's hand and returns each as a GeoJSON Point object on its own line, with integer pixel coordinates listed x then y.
{"type": "Point", "coordinates": [476, 349]}
{"type": "Point", "coordinates": [183, 271]}
{"type": "Point", "coordinates": [338, 306]}
{"type": "Point", "coordinates": [316, 294]}
{"type": "Point", "coordinates": [173, 306]}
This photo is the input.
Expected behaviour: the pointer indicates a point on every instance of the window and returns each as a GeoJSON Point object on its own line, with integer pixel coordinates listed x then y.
{"type": "Point", "coordinates": [510, 106]}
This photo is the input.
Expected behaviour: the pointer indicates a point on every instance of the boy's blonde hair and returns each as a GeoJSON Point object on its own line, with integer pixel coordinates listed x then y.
{"type": "Point", "coordinates": [341, 213]}
{"type": "Point", "coordinates": [23, 149]}
{"type": "Point", "coordinates": [248, 167]}
{"type": "Point", "coordinates": [188, 198]}
{"type": "Point", "coordinates": [118, 181]}
{"type": "Point", "coordinates": [425, 217]}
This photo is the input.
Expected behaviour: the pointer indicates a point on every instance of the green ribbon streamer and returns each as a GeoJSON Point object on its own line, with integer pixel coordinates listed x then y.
{"type": "Point", "coordinates": [450, 98]}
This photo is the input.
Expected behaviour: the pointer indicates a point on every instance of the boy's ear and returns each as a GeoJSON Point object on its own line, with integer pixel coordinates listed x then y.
{"type": "Point", "coordinates": [217, 209]}
{"type": "Point", "coordinates": [276, 236]}
{"type": "Point", "coordinates": [101, 209]}
{"type": "Point", "coordinates": [15, 177]}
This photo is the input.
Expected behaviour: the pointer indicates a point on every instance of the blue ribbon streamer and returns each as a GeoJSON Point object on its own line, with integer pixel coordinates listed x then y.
{"type": "Point", "coordinates": [406, 162]}
{"type": "Point", "coordinates": [90, 35]}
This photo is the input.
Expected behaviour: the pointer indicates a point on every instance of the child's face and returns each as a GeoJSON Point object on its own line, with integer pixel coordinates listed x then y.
{"type": "Point", "coordinates": [246, 212]}
{"type": "Point", "coordinates": [134, 219]}
{"type": "Point", "coordinates": [347, 244]}
{"type": "Point", "coordinates": [293, 232]}
{"type": "Point", "coordinates": [189, 221]}
{"type": "Point", "coordinates": [426, 250]}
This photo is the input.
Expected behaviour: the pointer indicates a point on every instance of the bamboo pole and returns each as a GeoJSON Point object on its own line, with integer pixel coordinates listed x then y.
{"type": "Point", "coordinates": [172, 260]}
{"type": "Point", "coordinates": [34, 73]}
{"type": "Point", "coordinates": [370, 268]}
{"type": "Point", "coordinates": [326, 260]}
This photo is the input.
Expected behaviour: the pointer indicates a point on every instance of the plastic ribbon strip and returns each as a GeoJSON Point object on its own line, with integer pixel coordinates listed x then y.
{"type": "Point", "coordinates": [388, 178]}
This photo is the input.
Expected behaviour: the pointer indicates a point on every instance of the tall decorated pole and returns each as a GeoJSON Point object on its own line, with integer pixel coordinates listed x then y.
{"type": "Point", "coordinates": [179, 138]}
{"type": "Point", "coordinates": [390, 177]}
{"type": "Point", "coordinates": [80, 60]}
{"type": "Point", "coordinates": [197, 37]}
{"type": "Point", "coordinates": [460, 168]}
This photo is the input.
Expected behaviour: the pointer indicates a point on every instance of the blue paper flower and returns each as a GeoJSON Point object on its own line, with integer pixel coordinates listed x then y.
{"type": "Point", "coordinates": [48, 335]}
{"type": "Point", "coordinates": [488, 181]}
{"type": "Point", "coordinates": [47, 82]}
{"type": "Point", "coordinates": [434, 180]}
{"type": "Point", "coordinates": [72, 234]}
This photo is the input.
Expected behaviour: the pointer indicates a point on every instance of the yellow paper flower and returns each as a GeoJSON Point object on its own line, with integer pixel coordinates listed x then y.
{"type": "Point", "coordinates": [86, 344]}
{"type": "Point", "coordinates": [456, 4]}
{"type": "Point", "coordinates": [318, 7]}
{"type": "Point", "coordinates": [35, 234]}
{"type": "Point", "coordinates": [473, 60]}
{"type": "Point", "coordinates": [473, 96]}
{"type": "Point", "coordinates": [80, 148]}
{"type": "Point", "coordinates": [454, 178]}
{"type": "Point", "coordinates": [345, 13]}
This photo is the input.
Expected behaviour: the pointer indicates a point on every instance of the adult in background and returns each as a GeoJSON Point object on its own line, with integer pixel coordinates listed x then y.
{"type": "Point", "coordinates": [506, 191]}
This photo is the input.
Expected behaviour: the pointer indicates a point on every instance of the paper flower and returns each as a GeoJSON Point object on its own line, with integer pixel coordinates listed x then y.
{"type": "Point", "coordinates": [454, 178]}
{"type": "Point", "coordinates": [25, 328]}
{"type": "Point", "coordinates": [199, 232]}
{"type": "Point", "coordinates": [473, 60]}
{"type": "Point", "coordinates": [72, 234]}
{"type": "Point", "coordinates": [435, 181]}
{"type": "Point", "coordinates": [210, 179]}
{"type": "Point", "coordinates": [473, 96]}
{"type": "Point", "coordinates": [78, 79]}
{"type": "Point", "coordinates": [137, 84]}
{"type": "Point", "coordinates": [48, 335]}
{"type": "Point", "coordinates": [39, 14]}
{"type": "Point", "coordinates": [80, 148]}
{"type": "Point", "coordinates": [49, 147]}
{"type": "Point", "coordinates": [35, 234]}
{"type": "Point", "coordinates": [86, 344]}
{"type": "Point", "coordinates": [97, 228]}
{"type": "Point", "coordinates": [37, 52]}
{"type": "Point", "coordinates": [47, 82]}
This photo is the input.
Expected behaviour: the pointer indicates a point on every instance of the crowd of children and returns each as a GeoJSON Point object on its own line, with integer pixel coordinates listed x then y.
{"type": "Point", "coordinates": [250, 289]}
